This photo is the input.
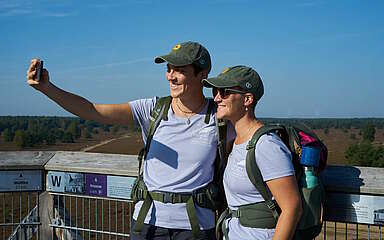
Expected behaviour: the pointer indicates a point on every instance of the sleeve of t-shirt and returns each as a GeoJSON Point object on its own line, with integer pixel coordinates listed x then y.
{"type": "Point", "coordinates": [141, 111]}
{"type": "Point", "coordinates": [273, 157]}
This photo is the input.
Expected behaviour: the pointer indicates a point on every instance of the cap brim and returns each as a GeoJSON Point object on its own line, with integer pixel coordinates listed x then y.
{"type": "Point", "coordinates": [218, 83]}
{"type": "Point", "coordinates": [159, 60]}
{"type": "Point", "coordinates": [171, 59]}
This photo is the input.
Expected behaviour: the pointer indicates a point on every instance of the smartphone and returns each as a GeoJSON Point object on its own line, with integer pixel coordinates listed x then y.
{"type": "Point", "coordinates": [39, 70]}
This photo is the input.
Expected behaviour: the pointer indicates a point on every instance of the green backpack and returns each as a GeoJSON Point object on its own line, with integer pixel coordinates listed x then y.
{"type": "Point", "coordinates": [265, 214]}
{"type": "Point", "coordinates": [211, 196]}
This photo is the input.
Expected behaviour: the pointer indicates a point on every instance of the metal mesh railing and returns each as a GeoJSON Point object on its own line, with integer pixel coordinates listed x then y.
{"type": "Point", "coordinates": [353, 231]}
{"type": "Point", "coordinates": [86, 217]}
{"type": "Point", "coordinates": [19, 215]}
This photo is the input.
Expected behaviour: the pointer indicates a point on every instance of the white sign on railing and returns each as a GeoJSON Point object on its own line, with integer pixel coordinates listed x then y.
{"type": "Point", "coordinates": [23, 180]}
{"type": "Point", "coordinates": [65, 182]}
{"type": "Point", "coordinates": [353, 208]}
{"type": "Point", "coordinates": [120, 187]}
{"type": "Point", "coordinates": [90, 184]}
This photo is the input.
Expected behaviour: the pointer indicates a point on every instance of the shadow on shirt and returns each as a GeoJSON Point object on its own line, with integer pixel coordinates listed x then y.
{"type": "Point", "coordinates": [163, 153]}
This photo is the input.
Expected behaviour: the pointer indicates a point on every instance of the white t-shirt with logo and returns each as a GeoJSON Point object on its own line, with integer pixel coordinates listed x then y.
{"type": "Point", "coordinates": [180, 159]}
{"type": "Point", "coordinates": [274, 161]}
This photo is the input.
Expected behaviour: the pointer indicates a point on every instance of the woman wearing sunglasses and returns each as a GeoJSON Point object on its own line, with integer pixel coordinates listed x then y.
{"type": "Point", "coordinates": [236, 91]}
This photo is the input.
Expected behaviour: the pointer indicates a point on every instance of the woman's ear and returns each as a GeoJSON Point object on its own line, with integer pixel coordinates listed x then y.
{"type": "Point", "coordinates": [248, 99]}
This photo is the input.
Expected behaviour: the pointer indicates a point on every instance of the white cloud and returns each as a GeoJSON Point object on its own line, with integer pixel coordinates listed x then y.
{"type": "Point", "coordinates": [36, 8]}
{"type": "Point", "coordinates": [14, 8]}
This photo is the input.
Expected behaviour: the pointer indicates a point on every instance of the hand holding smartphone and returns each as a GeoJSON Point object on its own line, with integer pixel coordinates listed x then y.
{"type": "Point", "coordinates": [39, 70]}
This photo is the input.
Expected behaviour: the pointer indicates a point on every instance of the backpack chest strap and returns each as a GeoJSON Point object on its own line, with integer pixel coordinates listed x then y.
{"type": "Point", "coordinates": [202, 197]}
{"type": "Point", "coordinates": [169, 197]}
{"type": "Point", "coordinates": [255, 215]}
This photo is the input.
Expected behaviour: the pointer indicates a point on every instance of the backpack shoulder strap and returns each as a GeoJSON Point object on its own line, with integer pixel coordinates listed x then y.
{"type": "Point", "coordinates": [158, 113]}
{"type": "Point", "coordinates": [211, 105]}
{"type": "Point", "coordinates": [253, 170]}
{"type": "Point", "coordinates": [220, 161]}
{"type": "Point", "coordinates": [221, 127]}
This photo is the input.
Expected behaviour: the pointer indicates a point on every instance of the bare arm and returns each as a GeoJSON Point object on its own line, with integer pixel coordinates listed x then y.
{"type": "Point", "coordinates": [288, 198]}
{"type": "Point", "coordinates": [104, 113]}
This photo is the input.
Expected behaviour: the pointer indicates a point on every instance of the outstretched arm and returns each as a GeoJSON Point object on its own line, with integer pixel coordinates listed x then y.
{"type": "Point", "coordinates": [288, 198]}
{"type": "Point", "coordinates": [103, 113]}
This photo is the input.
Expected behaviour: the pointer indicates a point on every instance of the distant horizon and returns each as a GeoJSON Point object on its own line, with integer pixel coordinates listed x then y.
{"type": "Point", "coordinates": [74, 116]}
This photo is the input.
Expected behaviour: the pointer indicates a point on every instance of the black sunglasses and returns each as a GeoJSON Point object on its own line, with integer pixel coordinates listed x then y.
{"type": "Point", "coordinates": [224, 92]}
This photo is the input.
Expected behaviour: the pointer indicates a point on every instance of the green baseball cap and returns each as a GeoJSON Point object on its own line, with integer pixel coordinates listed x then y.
{"type": "Point", "coordinates": [238, 76]}
{"type": "Point", "coordinates": [187, 53]}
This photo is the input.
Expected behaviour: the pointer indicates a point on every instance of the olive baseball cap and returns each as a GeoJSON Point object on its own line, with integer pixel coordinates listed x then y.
{"type": "Point", "coordinates": [187, 53]}
{"type": "Point", "coordinates": [238, 76]}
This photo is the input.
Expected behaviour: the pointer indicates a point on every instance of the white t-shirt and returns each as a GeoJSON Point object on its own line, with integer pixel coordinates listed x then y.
{"type": "Point", "coordinates": [274, 161]}
{"type": "Point", "coordinates": [180, 159]}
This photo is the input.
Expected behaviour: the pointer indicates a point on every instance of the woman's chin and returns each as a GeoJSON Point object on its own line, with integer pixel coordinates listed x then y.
{"type": "Point", "coordinates": [220, 115]}
{"type": "Point", "coordinates": [175, 94]}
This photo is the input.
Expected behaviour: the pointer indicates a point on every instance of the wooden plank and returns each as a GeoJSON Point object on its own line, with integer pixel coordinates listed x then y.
{"type": "Point", "coordinates": [352, 179]}
{"type": "Point", "coordinates": [24, 160]}
{"type": "Point", "coordinates": [109, 164]}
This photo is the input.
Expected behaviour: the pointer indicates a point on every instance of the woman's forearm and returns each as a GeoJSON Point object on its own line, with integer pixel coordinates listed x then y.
{"type": "Point", "coordinates": [286, 225]}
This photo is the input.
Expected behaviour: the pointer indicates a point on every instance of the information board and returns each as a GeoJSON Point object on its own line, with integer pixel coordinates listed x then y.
{"type": "Point", "coordinates": [65, 182]}
{"type": "Point", "coordinates": [120, 187]}
{"type": "Point", "coordinates": [96, 184]}
{"type": "Point", "coordinates": [355, 208]}
{"type": "Point", "coordinates": [19, 181]}
{"type": "Point", "coordinates": [90, 184]}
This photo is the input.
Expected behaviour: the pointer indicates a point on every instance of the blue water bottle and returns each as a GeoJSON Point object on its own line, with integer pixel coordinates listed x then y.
{"type": "Point", "coordinates": [309, 179]}
{"type": "Point", "coordinates": [310, 157]}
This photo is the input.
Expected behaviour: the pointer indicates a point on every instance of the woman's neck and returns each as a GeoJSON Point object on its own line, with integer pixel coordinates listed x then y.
{"type": "Point", "coordinates": [245, 128]}
{"type": "Point", "coordinates": [185, 106]}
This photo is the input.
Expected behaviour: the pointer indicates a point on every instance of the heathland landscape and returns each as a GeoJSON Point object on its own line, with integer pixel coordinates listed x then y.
{"type": "Point", "coordinates": [346, 139]}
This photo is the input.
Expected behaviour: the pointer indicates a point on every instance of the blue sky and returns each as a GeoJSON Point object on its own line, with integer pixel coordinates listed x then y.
{"type": "Point", "coordinates": [316, 58]}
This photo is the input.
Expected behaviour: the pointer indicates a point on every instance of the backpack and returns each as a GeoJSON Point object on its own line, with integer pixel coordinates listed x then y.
{"type": "Point", "coordinates": [211, 196]}
{"type": "Point", "coordinates": [265, 214]}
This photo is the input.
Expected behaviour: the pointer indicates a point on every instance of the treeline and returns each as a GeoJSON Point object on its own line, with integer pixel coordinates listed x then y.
{"type": "Point", "coordinates": [327, 123]}
{"type": "Point", "coordinates": [34, 131]}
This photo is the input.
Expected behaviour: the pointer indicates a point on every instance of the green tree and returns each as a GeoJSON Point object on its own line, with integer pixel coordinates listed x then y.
{"type": "Point", "coordinates": [33, 126]}
{"type": "Point", "coordinates": [59, 134]}
{"type": "Point", "coordinates": [74, 129]}
{"type": "Point", "coordinates": [368, 132]}
{"type": "Point", "coordinates": [51, 139]}
{"type": "Point", "coordinates": [31, 139]}
{"type": "Point", "coordinates": [6, 135]}
{"type": "Point", "coordinates": [365, 154]}
{"type": "Point", "coordinates": [379, 158]}
{"type": "Point", "coordinates": [352, 136]}
{"type": "Point", "coordinates": [88, 134]}
{"type": "Point", "coordinates": [67, 138]}
{"type": "Point", "coordinates": [19, 139]}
